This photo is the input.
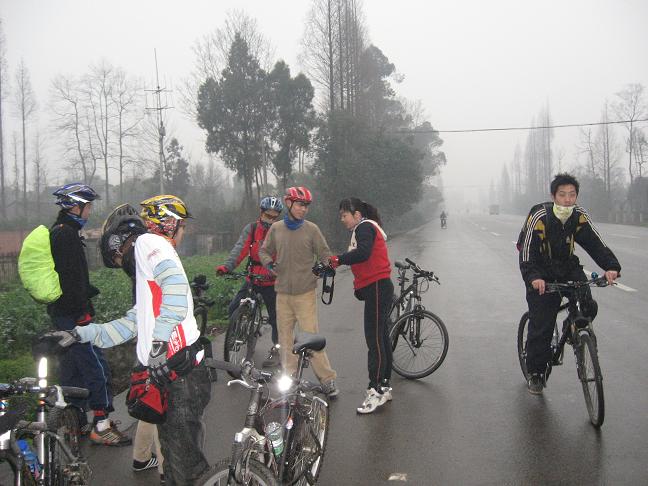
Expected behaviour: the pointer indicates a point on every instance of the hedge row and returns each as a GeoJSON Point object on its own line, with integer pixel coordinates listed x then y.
{"type": "Point", "coordinates": [22, 319]}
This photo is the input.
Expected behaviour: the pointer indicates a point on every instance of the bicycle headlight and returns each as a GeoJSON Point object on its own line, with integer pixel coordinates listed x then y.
{"type": "Point", "coordinates": [284, 383]}
{"type": "Point", "coordinates": [42, 372]}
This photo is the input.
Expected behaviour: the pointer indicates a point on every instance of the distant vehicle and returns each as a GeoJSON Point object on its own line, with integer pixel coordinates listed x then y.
{"type": "Point", "coordinates": [493, 209]}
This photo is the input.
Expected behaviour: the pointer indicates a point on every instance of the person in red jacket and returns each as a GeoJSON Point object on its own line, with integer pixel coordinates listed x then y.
{"type": "Point", "coordinates": [367, 255]}
{"type": "Point", "coordinates": [248, 245]}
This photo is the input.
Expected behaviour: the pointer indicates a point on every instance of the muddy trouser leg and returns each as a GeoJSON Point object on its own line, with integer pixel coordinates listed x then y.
{"type": "Point", "coordinates": [181, 436]}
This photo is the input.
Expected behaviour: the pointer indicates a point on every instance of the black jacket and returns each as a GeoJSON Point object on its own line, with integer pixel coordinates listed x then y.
{"type": "Point", "coordinates": [68, 251]}
{"type": "Point", "coordinates": [547, 251]}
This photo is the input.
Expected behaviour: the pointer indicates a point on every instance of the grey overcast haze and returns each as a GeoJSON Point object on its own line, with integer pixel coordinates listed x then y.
{"type": "Point", "coordinates": [473, 64]}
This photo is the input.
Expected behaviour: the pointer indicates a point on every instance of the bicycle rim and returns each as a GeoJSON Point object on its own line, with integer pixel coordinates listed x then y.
{"type": "Point", "coordinates": [523, 329]}
{"type": "Point", "coordinates": [419, 344]}
{"type": "Point", "coordinates": [589, 373]}
{"type": "Point", "coordinates": [236, 338]}
{"type": "Point", "coordinates": [66, 424]}
{"type": "Point", "coordinates": [307, 442]}
{"type": "Point", "coordinates": [257, 475]}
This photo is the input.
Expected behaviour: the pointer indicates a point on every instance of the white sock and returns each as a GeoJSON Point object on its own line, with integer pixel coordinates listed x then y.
{"type": "Point", "coordinates": [103, 425]}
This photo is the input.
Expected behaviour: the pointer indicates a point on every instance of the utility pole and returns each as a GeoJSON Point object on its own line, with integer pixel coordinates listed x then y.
{"type": "Point", "coordinates": [160, 121]}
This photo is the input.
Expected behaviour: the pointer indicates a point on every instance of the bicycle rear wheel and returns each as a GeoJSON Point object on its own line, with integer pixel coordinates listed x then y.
{"type": "Point", "coordinates": [419, 342]}
{"type": "Point", "coordinates": [257, 475]}
{"type": "Point", "coordinates": [523, 329]}
{"type": "Point", "coordinates": [66, 424]}
{"type": "Point", "coordinates": [589, 373]}
{"type": "Point", "coordinates": [236, 337]}
{"type": "Point", "coordinates": [307, 443]}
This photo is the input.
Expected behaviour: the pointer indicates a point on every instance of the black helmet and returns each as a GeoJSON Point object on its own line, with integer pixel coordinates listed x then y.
{"type": "Point", "coordinates": [122, 223]}
{"type": "Point", "coordinates": [74, 194]}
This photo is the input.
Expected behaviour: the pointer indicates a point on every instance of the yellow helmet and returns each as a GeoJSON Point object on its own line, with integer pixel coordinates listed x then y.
{"type": "Point", "coordinates": [160, 208]}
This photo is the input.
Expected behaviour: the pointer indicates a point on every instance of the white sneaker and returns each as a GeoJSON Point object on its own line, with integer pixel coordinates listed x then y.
{"type": "Point", "coordinates": [387, 393]}
{"type": "Point", "coordinates": [372, 401]}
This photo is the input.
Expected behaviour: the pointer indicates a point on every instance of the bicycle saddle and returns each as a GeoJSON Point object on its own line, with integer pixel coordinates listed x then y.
{"type": "Point", "coordinates": [307, 340]}
{"type": "Point", "coordinates": [401, 265]}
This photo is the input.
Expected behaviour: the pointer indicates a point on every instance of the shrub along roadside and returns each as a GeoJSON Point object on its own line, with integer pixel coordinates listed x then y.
{"type": "Point", "coordinates": [22, 319]}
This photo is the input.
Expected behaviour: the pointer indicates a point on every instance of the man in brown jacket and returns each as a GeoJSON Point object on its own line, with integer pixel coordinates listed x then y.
{"type": "Point", "coordinates": [297, 244]}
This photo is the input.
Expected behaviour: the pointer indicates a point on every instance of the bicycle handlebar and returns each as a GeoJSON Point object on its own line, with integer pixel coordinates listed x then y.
{"type": "Point", "coordinates": [254, 276]}
{"type": "Point", "coordinates": [244, 371]}
{"type": "Point", "coordinates": [27, 385]}
{"type": "Point", "coordinates": [418, 271]}
{"type": "Point", "coordinates": [572, 286]}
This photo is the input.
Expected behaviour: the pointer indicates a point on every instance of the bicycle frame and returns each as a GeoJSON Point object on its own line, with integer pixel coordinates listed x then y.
{"type": "Point", "coordinates": [251, 441]}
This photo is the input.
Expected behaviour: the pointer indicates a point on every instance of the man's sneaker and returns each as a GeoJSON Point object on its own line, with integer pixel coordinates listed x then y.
{"type": "Point", "coordinates": [535, 384]}
{"type": "Point", "coordinates": [144, 465]}
{"type": "Point", "coordinates": [372, 401]}
{"type": "Point", "coordinates": [330, 389]}
{"type": "Point", "coordinates": [109, 437]}
{"type": "Point", "coordinates": [273, 358]}
{"type": "Point", "coordinates": [387, 393]}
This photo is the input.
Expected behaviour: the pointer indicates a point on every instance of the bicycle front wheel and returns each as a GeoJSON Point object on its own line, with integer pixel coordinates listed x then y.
{"type": "Point", "coordinates": [419, 342]}
{"type": "Point", "coordinates": [256, 475]}
{"type": "Point", "coordinates": [589, 373]}
{"type": "Point", "coordinates": [236, 337]}
{"type": "Point", "coordinates": [307, 443]}
{"type": "Point", "coordinates": [200, 313]}
{"type": "Point", "coordinates": [523, 330]}
{"type": "Point", "coordinates": [66, 424]}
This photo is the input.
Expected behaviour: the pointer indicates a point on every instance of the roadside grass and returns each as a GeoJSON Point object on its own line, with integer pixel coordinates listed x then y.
{"type": "Point", "coordinates": [22, 319]}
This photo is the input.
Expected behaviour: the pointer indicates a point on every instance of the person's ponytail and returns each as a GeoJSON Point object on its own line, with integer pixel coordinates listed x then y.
{"type": "Point", "coordinates": [353, 204]}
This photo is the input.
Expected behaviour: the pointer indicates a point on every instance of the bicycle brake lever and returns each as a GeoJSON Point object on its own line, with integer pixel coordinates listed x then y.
{"type": "Point", "coordinates": [243, 383]}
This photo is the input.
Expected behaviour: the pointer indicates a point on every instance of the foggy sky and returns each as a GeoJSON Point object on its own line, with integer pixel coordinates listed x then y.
{"type": "Point", "coordinates": [474, 64]}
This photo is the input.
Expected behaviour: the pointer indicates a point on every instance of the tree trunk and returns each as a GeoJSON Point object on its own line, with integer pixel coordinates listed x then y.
{"type": "Point", "coordinates": [24, 150]}
{"type": "Point", "coordinates": [3, 199]}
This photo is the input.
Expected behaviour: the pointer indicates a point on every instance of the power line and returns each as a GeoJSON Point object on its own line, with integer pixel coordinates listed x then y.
{"type": "Point", "coordinates": [508, 129]}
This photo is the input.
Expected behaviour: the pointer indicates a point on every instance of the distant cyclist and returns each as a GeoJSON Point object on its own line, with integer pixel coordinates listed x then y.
{"type": "Point", "coordinates": [547, 255]}
{"type": "Point", "coordinates": [248, 245]}
{"type": "Point", "coordinates": [444, 218]}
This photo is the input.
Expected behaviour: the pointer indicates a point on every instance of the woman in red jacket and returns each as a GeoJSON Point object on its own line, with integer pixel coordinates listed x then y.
{"type": "Point", "coordinates": [369, 261]}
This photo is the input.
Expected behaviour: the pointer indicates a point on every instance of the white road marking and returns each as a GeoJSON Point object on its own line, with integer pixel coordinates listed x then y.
{"type": "Point", "coordinates": [398, 477]}
{"type": "Point", "coordinates": [482, 228]}
{"type": "Point", "coordinates": [494, 234]}
{"type": "Point", "coordinates": [618, 285]}
{"type": "Point", "coordinates": [627, 236]}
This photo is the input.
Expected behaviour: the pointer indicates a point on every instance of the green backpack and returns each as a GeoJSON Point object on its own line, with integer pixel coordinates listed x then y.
{"type": "Point", "coordinates": [36, 267]}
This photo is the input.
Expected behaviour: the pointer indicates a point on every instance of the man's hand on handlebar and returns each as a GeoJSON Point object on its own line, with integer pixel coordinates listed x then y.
{"type": "Point", "coordinates": [222, 270]}
{"type": "Point", "coordinates": [539, 285]}
{"type": "Point", "coordinates": [611, 276]}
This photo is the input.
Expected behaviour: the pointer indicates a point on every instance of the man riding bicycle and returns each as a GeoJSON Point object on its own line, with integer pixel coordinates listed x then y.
{"type": "Point", "coordinates": [248, 245]}
{"type": "Point", "coordinates": [443, 217]}
{"type": "Point", "coordinates": [547, 254]}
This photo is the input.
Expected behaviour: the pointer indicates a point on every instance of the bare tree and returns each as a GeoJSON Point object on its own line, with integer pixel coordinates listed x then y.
{"type": "Point", "coordinates": [25, 104]}
{"type": "Point", "coordinates": [631, 106]}
{"type": "Point", "coordinates": [126, 99]}
{"type": "Point", "coordinates": [606, 141]}
{"type": "Point", "coordinates": [16, 171]}
{"type": "Point", "coordinates": [97, 87]}
{"type": "Point", "coordinates": [334, 37]}
{"type": "Point", "coordinates": [40, 172]}
{"type": "Point", "coordinates": [3, 95]}
{"type": "Point", "coordinates": [588, 147]}
{"type": "Point", "coordinates": [211, 52]}
{"type": "Point", "coordinates": [72, 124]}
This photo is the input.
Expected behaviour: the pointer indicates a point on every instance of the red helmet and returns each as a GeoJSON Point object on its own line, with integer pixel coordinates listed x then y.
{"type": "Point", "coordinates": [301, 194]}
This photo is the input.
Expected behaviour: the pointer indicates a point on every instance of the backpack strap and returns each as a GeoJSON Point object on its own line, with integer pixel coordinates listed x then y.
{"type": "Point", "coordinates": [253, 240]}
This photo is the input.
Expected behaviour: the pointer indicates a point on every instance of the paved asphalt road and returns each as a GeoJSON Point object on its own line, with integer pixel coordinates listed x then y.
{"type": "Point", "coordinates": [472, 421]}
